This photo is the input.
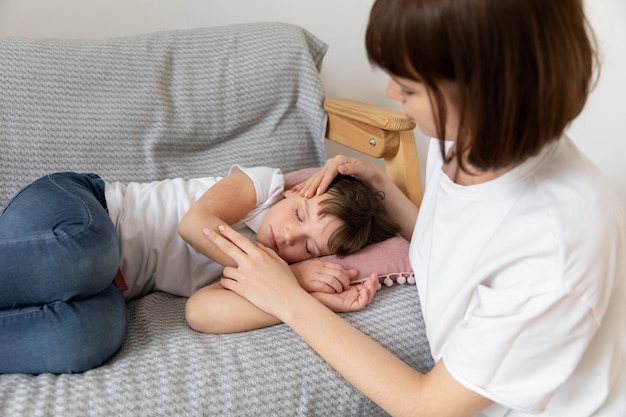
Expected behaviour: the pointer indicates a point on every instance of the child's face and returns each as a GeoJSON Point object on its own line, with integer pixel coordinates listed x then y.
{"type": "Point", "coordinates": [419, 108]}
{"type": "Point", "coordinates": [294, 230]}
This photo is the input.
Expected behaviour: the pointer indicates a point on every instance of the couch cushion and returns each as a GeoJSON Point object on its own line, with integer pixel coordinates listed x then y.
{"type": "Point", "coordinates": [182, 103]}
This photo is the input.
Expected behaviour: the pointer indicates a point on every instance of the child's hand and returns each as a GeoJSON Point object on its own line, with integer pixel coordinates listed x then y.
{"type": "Point", "coordinates": [315, 275]}
{"type": "Point", "coordinates": [353, 299]}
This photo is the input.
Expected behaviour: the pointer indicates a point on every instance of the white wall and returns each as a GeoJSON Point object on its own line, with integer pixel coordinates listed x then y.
{"type": "Point", "coordinates": [600, 130]}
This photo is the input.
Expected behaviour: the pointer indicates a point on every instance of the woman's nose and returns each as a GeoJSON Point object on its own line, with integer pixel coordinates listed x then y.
{"type": "Point", "coordinates": [393, 90]}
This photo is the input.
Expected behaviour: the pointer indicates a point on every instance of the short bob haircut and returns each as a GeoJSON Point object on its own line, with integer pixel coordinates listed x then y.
{"type": "Point", "coordinates": [522, 68]}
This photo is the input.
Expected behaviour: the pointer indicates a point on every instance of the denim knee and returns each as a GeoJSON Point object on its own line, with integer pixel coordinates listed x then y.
{"type": "Point", "coordinates": [63, 337]}
{"type": "Point", "coordinates": [57, 242]}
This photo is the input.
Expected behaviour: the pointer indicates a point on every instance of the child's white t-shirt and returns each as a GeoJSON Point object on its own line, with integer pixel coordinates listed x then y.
{"type": "Point", "coordinates": [521, 282]}
{"type": "Point", "coordinates": [146, 217]}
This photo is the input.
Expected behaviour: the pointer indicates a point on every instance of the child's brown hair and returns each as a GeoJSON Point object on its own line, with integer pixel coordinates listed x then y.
{"type": "Point", "coordinates": [361, 212]}
{"type": "Point", "coordinates": [523, 68]}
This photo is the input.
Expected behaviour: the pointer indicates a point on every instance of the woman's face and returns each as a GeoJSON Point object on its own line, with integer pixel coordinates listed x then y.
{"type": "Point", "coordinates": [419, 107]}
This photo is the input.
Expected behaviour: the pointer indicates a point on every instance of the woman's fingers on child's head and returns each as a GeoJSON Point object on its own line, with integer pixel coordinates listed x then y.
{"type": "Point", "coordinates": [318, 182]}
{"type": "Point", "coordinates": [309, 187]}
{"type": "Point", "coordinates": [321, 183]}
{"type": "Point", "coordinates": [298, 187]}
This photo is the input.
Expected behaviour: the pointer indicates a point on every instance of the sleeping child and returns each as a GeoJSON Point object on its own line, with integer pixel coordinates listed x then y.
{"type": "Point", "coordinates": [75, 249]}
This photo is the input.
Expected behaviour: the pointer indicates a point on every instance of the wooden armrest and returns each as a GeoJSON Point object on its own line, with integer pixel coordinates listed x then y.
{"type": "Point", "coordinates": [380, 133]}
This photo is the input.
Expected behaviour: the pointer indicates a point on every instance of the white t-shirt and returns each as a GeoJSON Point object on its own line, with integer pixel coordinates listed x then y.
{"type": "Point", "coordinates": [522, 284]}
{"type": "Point", "coordinates": [146, 216]}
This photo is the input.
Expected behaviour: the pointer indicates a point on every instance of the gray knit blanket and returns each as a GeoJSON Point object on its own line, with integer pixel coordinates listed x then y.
{"type": "Point", "coordinates": [166, 369]}
{"type": "Point", "coordinates": [183, 104]}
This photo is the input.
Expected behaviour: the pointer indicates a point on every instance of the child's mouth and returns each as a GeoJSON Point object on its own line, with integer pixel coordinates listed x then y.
{"type": "Point", "coordinates": [273, 241]}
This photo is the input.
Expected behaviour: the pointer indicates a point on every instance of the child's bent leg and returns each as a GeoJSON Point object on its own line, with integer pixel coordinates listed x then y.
{"type": "Point", "coordinates": [57, 242]}
{"type": "Point", "coordinates": [62, 337]}
{"type": "Point", "coordinates": [59, 253]}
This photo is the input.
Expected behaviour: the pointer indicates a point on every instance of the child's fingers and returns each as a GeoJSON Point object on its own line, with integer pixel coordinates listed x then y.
{"type": "Point", "coordinates": [372, 285]}
{"type": "Point", "coordinates": [354, 299]}
{"type": "Point", "coordinates": [340, 275]}
{"type": "Point", "coordinates": [371, 280]}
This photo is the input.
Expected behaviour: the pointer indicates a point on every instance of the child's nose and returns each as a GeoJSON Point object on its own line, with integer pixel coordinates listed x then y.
{"type": "Point", "coordinates": [284, 237]}
{"type": "Point", "coordinates": [290, 236]}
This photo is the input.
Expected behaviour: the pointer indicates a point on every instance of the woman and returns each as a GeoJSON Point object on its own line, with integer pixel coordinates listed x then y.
{"type": "Point", "coordinates": [518, 248]}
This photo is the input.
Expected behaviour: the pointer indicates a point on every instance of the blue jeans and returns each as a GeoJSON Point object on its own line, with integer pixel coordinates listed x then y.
{"type": "Point", "coordinates": [59, 253]}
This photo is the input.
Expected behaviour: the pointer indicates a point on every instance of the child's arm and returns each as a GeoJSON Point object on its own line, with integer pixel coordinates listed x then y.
{"type": "Point", "coordinates": [226, 202]}
{"type": "Point", "coordinates": [214, 309]}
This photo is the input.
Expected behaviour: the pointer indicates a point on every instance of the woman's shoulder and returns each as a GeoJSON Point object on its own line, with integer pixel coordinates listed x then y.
{"type": "Point", "coordinates": [566, 178]}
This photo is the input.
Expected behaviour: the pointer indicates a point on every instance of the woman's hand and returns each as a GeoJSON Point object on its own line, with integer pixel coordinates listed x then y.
{"type": "Point", "coordinates": [397, 204]}
{"type": "Point", "coordinates": [315, 275]}
{"type": "Point", "coordinates": [260, 275]}
{"type": "Point", "coordinates": [266, 280]}
{"type": "Point", "coordinates": [319, 182]}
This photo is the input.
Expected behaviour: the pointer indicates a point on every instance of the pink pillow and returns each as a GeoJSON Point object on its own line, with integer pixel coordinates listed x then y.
{"type": "Point", "coordinates": [389, 259]}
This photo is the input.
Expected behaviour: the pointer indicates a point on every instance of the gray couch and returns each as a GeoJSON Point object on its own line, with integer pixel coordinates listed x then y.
{"type": "Point", "coordinates": [183, 104]}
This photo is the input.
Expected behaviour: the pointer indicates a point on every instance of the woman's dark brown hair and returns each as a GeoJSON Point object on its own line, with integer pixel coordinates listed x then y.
{"type": "Point", "coordinates": [523, 68]}
{"type": "Point", "coordinates": [361, 212]}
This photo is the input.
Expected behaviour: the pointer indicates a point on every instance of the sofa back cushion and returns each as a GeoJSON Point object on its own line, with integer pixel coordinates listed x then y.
{"type": "Point", "coordinates": [185, 103]}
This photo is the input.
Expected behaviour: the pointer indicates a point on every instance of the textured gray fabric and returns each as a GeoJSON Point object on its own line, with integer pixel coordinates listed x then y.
{"type": "Point", "coordinates": [166, 369]}
{"type": "Point", "coordinates": [183, 103]}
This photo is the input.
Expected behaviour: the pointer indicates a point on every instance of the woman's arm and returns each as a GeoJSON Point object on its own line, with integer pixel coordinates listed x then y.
{"type": "Point", "coordinates": [398, 205]}
{"type": "Point", "coordinates": [381, 376]}
{"type": "Point", "coordinates": [267, 281]}
{"type": "Point", "coordinates": [373, 370]}
{"type": "Point", "coordinates": [226, 202]}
